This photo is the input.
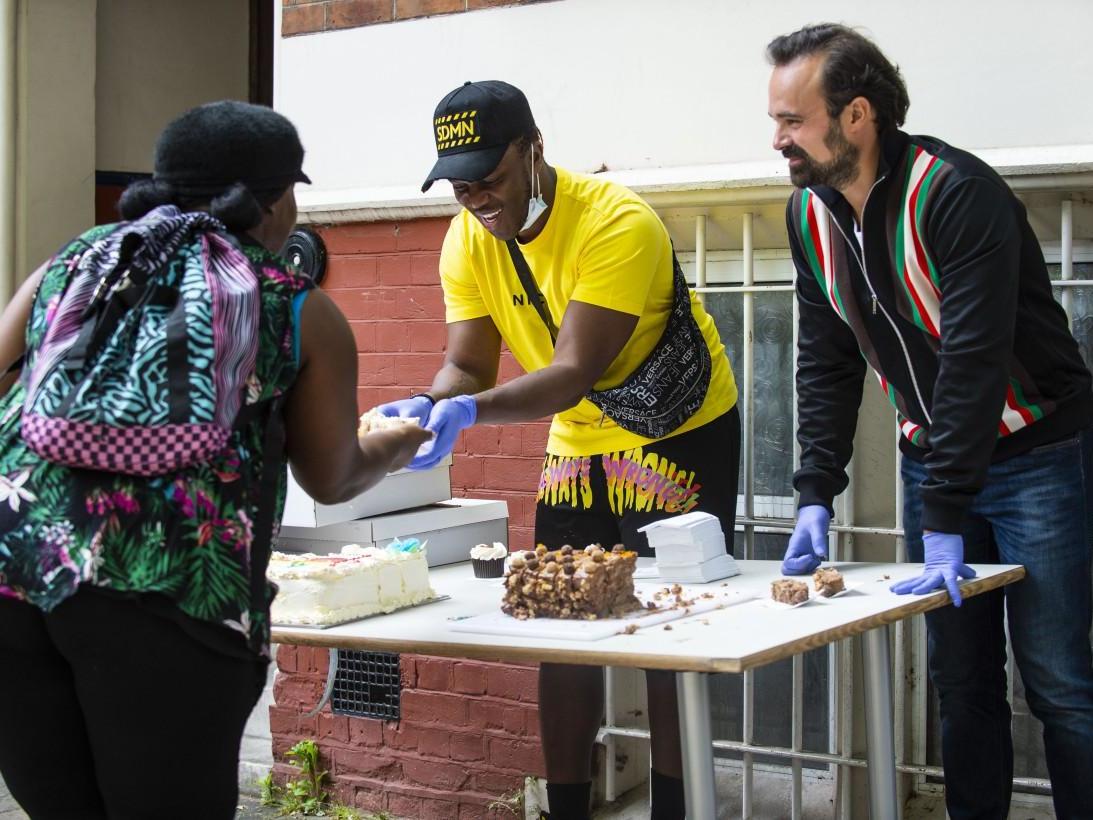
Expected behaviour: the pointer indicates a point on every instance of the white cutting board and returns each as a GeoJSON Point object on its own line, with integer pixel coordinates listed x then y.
{"type": "Point", "coordinates": [498, 623]}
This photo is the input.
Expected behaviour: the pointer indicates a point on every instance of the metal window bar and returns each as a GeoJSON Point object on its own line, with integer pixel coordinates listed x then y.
{"type": "Point", "coordinates": [909, 637]}
{"type": "Point", "coordinates": [748, 473]}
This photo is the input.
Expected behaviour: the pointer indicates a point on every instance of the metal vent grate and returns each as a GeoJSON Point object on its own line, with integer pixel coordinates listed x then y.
{"type": "Point", "coordinates": [367, 684]}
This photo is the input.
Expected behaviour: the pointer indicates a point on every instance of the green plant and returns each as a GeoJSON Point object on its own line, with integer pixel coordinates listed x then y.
{"type": "Point", "coordinates": [307, 795]}
{"type": "Point", "coordinates": [305, 755]}
{"type": "Point", "coordinates": [271, 792]}
{"type": "Point", "coordinates": [339, 812]}
{"type": "Point", "coordinates": [510, 802]}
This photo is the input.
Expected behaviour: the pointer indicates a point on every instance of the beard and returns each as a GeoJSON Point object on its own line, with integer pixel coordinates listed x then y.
{"type": "Point", "coordinates": [838, 172]}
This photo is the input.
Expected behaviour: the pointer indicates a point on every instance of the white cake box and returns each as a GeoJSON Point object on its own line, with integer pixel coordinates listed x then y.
{"type": "Point", "coordinates": [721, 566]}
{"type": "Point", "coordinates": [450, 527]}
{"type": "Point", "coordinates": [688, 539]}
{"type": "Point", "coordinates": [398, 491]}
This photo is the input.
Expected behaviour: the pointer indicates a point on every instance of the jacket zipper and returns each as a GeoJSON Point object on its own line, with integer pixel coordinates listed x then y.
{"type": "Point", "coordinates": [865, 275]}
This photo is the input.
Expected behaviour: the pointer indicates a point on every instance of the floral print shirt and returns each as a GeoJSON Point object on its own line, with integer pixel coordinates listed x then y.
{"type": "Point", "coordinates": [186, 536]}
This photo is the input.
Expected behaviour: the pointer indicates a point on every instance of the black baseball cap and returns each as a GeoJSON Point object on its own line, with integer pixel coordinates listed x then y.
{"type": "Point", "coordinates": [473, 126]}
{"type": "Point", "coordinates": [213, 146]}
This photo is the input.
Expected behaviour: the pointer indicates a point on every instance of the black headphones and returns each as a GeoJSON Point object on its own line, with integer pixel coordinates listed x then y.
{"type": "Point", "coordinates": [306, 251]}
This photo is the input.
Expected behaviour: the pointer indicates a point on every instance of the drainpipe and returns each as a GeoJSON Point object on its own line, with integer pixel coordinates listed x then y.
{"type": "Point", "coordinates": [700, 256]}
{"type": "Point", "coordinates": [1067, 258]}
{"type": "Point", "coordinates": [8, 33]}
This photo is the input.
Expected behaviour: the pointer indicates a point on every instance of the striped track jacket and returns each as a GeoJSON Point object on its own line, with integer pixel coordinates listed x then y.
{"type": "Point", "coordinates": [950, 304]}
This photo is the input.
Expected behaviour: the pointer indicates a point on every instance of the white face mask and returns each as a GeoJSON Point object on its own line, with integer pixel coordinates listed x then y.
{"type": "Point", "coordinates": [536, 205]}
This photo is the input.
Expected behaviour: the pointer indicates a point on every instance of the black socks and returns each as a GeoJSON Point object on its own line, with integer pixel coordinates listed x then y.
{"type": "Point", "coordinates": [569, 801]}
{"type": "Point", "coordinates": [668, 802]}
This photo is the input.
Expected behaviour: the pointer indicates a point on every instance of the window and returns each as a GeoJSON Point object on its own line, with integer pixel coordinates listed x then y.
{"type": "Point", "coordinates": [714, 238]}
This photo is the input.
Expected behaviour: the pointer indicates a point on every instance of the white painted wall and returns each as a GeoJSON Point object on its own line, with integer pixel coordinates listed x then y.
{"type": "Point", "coordinates": [637, 84]}
{"type": "Point", "coordinates": [156, 58]}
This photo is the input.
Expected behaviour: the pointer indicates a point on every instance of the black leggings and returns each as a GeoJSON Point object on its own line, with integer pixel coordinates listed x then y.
{"type": "Point", "coordinates": [108, 710]}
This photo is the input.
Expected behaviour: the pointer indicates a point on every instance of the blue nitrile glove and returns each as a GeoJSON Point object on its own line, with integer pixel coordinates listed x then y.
{"type": "Point", "coordinates": [808, 544]}
{"type": "Point", "coordinates": [944, 564]}
{"type": "Point", "coordinates": [415, 407]}
{"type": "Point", "coordinates": [449, 416]}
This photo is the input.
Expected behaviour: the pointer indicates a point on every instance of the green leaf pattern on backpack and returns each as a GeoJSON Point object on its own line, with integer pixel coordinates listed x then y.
{"type": "Point", "coordinates": [187, 536]}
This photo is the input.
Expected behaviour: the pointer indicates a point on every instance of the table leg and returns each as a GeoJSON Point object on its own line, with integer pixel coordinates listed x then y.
{"type": "Point", "coordinates": [881, 748]}
{"type": "Point", "coordinates": [693, 692]}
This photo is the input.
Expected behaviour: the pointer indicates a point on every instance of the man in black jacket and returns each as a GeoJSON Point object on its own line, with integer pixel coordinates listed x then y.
{"type": "Point", "coordinates": [915, 258]}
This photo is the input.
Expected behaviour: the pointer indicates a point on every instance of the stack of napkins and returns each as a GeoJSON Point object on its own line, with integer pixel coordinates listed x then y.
{"type": "Point", "coordinates": [690, 549]}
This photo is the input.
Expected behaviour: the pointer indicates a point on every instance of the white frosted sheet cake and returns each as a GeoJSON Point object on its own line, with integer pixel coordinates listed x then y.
{"type": "Point", "coordinates": [319, 590]}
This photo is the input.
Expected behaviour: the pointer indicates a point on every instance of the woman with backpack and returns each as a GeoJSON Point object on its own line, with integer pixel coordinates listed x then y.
{"type": "Point", "coordinates": [170, 365]}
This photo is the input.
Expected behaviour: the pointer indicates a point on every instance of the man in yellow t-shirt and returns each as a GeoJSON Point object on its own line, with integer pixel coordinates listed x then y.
{"type": "Point", "coordinates": [604, 264]}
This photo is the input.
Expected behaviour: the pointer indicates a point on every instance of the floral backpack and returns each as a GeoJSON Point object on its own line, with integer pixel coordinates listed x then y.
{"type": "Point", "coordinates": [144, 442]}
{"type": "Point", "coordinates": [144, 364]}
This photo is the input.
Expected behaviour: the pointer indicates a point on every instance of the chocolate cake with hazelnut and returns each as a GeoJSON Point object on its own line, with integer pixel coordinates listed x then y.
{"type": "Point", "coordinates": [583, 584]}
{"type": "Point", "coordinates": [789, 591]}
{"type": "Point", "coordinates": [828, 581]}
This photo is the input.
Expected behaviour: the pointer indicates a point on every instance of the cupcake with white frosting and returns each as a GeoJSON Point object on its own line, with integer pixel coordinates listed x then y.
{"type": "Point", "coordinates": [488, 560]}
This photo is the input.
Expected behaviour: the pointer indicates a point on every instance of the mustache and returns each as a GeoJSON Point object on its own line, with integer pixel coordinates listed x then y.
{"type": "Point", "coordinates": [793, 152]}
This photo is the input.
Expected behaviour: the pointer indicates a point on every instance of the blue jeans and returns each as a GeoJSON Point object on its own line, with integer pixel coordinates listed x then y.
{"type": "Point", "coordinates": [1035, 509]}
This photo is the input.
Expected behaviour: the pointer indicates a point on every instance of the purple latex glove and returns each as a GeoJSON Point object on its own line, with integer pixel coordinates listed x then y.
{"type": "Point", "coordinates": [415, 407]}
{"type": "Point", "coordinates": [944, 565]}
{"type": "Point", "coordinates": [448, 417]}
{"type": "Point", "coordinates": [808, 544]}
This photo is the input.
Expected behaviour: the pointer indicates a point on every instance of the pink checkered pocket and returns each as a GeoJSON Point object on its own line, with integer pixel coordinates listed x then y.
{"type": "Point", "coordinates": [144, 451]}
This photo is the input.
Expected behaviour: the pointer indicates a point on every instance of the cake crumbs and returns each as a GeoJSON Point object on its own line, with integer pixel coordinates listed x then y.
{"type": "Point", "coordinates": [631, 629]}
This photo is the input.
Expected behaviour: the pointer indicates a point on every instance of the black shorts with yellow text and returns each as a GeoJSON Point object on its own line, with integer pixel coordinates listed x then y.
{"type": "Point", "coordinates": [606, 498]}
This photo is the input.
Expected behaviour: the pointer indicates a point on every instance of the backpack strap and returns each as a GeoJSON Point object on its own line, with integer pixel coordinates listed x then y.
{"type": "Point", "coordinates": [109, 304]}
{"type": "Point", "coordinates": [178, 374]}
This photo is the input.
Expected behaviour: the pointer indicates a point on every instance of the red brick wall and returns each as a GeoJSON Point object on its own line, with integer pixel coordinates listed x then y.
{"type": "Point", "coordinates": [311, 16]}
{"type": "Point", "coordinates": [384, 276]}
{"type": "Point", "coordinates": [468, 735]}
{"type": "Point", "coordinates": [469, 731]}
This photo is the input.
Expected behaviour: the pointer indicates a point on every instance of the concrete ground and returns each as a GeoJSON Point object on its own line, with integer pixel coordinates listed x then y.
{"type": "Point", "coordinates": [632, 806]}
{"type": "Point", "coordinates": [9, 810]}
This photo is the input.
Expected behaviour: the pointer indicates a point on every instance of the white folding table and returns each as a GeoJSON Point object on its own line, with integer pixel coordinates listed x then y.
{"type": "Point", "coordinates": [733, 639]}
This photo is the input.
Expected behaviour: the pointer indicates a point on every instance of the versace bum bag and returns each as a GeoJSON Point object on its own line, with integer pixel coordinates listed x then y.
{"type": "Point", "coordinates": [670, 384]}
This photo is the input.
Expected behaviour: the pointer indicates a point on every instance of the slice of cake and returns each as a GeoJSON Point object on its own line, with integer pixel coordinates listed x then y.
{"type": "Point", "coordinates": [566, 583]}
{"type": "Point", "coordinates": [828, 581]}
{"type": "Point", "coordinates": [373, 420]}
{"type": "Point", "coordinates": [788, 591]}
{"type": "Point", "coordinates": [319, 590]}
